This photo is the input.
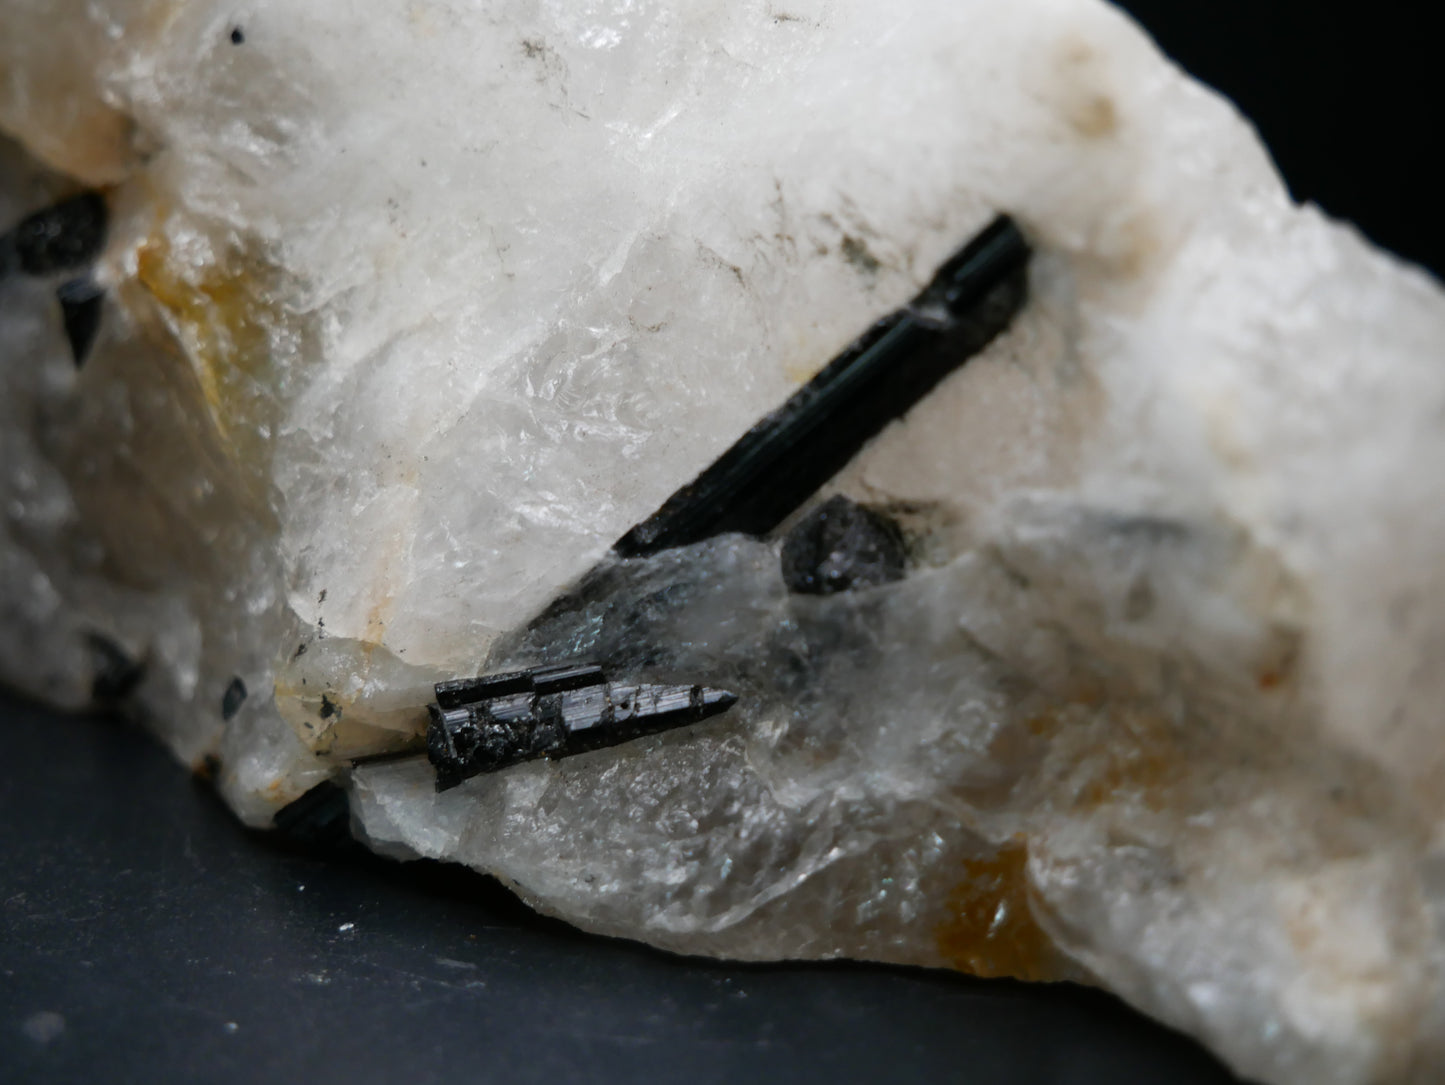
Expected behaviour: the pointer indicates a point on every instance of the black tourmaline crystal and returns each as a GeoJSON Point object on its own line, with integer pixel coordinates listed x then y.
{"type": "Point", "coordinates": [484, 724]}
{"type": "Point", "coordinates": [115, 673]}
{"type": "Point", "coordinates": [233, 698]}
{"type": "Point", "coordinates": [840, 546]}
{"type": "Point", "coordinates": [774, 467]}
{"type": "Point", "coordinates": [63, 237]}
{"type": "Point", "coordinates": [81, 302]}
{"type": "Point", "coordinates": [319, 818]}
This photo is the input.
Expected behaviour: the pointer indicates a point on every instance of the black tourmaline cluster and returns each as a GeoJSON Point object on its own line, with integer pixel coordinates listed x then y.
{"type": "Point", "coordinates": [484, 724]}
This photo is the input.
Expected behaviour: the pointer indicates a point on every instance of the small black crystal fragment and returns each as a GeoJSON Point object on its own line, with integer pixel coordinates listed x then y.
{"type": "Point", "coordinates": [321, 817]}
{"type": "Point", "coordinates": [63, 237]}
{"type": "Point", "coordinates": [774, 467]}
{"type": "Point", "coordinates": [81, 303]}
{"type": "Point", "coordinates": [840, 546]}
{"type": "Point", "coordinates": [238, 36]}
{"type": "Point", "coordinates": [116, 674]}
{"type": "Point", "coordinates": [328, 707]}
{"type": "Point", "coordinates": [551, 711]}
{"type": "Point", "coordinates": [233, 698]}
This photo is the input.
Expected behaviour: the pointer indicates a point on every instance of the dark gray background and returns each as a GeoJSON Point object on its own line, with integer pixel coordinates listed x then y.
{"type": "Point", "coordinates": [144, 936]}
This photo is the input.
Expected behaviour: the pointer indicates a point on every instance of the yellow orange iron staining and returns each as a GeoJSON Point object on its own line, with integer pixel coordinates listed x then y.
{"type": "Point", "coordinates": [233, 331]}
{"type": "Point", "coordinates": [1145, 763]}
{"type": "Point", "coordinates": [991, 930]}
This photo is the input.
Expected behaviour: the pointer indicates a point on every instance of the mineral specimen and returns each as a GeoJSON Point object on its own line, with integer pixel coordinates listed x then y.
{"type": "Point", "coordinates": [400, 322]}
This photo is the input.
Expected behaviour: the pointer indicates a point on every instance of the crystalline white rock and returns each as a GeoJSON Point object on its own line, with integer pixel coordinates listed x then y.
{"type": "Point", "coordinates": [411, 316]}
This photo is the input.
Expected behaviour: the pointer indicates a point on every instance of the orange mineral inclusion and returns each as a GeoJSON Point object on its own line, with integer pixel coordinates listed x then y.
{"type": "Point", "coordinates": [990, 930]}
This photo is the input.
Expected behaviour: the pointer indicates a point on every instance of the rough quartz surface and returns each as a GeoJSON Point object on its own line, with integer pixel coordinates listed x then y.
{"type": "Point", "coordinates": [410, 316]}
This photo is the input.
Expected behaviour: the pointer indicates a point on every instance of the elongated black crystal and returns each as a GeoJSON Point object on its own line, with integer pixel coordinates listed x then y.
{"type": "Point", "coordinates": [490, 723]}
{"type": "Point", "coordinates": [786, 457]}
{"type": "Point", "coordinates": [63, 237]}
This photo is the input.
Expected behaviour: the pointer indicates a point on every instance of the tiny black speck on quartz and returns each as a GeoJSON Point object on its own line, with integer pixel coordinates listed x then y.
{"type": "Point", "coordinates": [233, 698]}
{"type": "Point", "coordinates": [328, 707]}
{"type": "Point", "coordinates": [839, 546]}
{"type": "Point", "coordinates": [238, 37]}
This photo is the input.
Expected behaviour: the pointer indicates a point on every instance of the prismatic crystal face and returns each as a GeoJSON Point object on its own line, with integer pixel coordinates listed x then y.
{"type": "Point", "coordinates": [770, 484]}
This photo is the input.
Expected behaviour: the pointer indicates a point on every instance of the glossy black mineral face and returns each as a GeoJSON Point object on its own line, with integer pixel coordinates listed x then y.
{"type": "Point", "coordinates": [562, 710]}
{"type": "Point", "coordinates": [841, 546]}
{"type": "Point", "coordinates": [66, 236]}
{"type": "Point", "coordinates": [1089, 629]}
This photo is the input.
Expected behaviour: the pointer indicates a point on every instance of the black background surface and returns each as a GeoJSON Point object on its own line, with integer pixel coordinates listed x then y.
{"type": "Point", "coordinates": [173, 945]}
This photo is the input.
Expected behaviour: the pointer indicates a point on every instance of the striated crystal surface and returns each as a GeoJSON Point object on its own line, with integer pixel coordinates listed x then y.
{"type": "Point", "coordinates": [407, 318]}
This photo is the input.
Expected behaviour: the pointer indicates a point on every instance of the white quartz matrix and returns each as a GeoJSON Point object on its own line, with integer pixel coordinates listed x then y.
{"type": "Point", "coordinates": [414, 307]}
